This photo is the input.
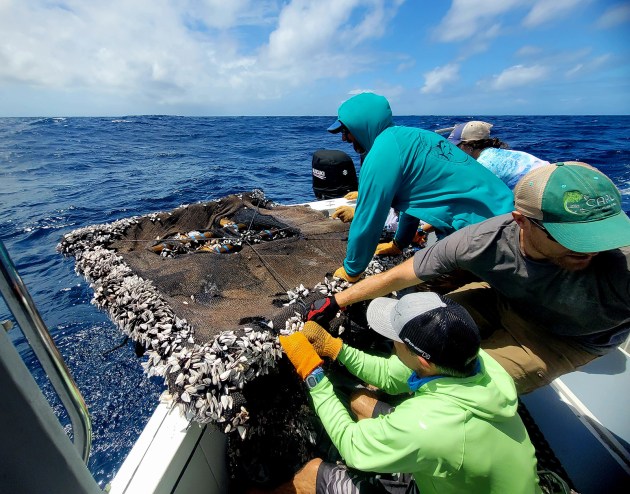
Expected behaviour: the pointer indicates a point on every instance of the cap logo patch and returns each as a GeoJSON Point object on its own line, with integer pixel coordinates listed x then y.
{"type": "Point", "coordinates": [420, 351]}
{"type": "Point", "coordinates": [579, 204]}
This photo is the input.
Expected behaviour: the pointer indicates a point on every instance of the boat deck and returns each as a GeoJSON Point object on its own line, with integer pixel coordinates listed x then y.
{"type": "Point", "coordinates": [584, 418]}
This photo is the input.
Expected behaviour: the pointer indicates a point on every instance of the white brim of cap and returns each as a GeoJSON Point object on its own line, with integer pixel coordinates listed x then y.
{"type": "Point", "coordinates": [380, 316]}
{"type": "Point", "coordinates": [335, 127]}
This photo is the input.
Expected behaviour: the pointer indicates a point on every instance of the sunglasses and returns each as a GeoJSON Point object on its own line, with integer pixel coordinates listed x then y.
{"type": "Point", "coordinates": [540, 226]}
{"type": "Point", "coordinates": [344, 132]}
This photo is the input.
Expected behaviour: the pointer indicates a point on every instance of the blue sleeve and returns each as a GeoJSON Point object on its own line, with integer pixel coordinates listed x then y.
{"type": "Point", "coordinates": [407, 228]}
{"type": "Point", "coordinates": [378, 182]}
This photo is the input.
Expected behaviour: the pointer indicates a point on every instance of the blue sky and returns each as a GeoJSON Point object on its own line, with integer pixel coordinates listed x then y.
{"type": "Point", "coordinates": [299, 57]}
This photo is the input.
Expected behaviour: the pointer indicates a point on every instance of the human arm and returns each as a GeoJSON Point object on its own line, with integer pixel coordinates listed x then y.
{"type": "Point", "coordinates": [388, 374]}
{"type": "Point", "coordinates": [407, 228]}
{"type": "Point", "coordinates": [397, 278]}
{"type": "Point", "coordinates": [357, 441]}
{"type": "Point", "coordinates": [459, 250]}
{"type": "Point", "coordinates": [378, 183]}
{"type": "Point", "coordinates": [388, 443]}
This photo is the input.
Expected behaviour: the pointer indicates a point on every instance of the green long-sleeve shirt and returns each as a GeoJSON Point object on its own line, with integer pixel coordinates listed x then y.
{"type": "Point", "coordinates": [453, 434]}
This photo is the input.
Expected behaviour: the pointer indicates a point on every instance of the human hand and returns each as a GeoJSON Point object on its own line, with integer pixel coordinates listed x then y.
{"type": "Point", "coordinates": [351, 196]}
{"type": "Point", "coordinates": [323, 342]}
{"type": "Point", "coordinates": [344, 213]}
{"type": "Point", "coordinates": [301, 353]}
{"type": "Point", "coordinates": [420, 238]}
{"type": "Point", "coordinates": [387, 249]}
{"type": "Point", "coordinates": [341, 273]}
{"type": "Point", "coordinates": [323, 310]}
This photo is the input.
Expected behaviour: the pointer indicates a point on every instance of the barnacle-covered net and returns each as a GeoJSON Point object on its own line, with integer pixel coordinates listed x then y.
{"type": "Point", "coordinates": [216, 292]}
{"type": "Point", "coordinates": [206, 289]}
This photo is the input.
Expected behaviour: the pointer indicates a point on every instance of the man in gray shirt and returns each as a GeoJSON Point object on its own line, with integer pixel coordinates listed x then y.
{"type": "Point", "coordinates": [555, 290]}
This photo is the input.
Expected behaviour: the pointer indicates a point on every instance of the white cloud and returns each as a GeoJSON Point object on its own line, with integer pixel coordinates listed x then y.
{"type": "Point", "coordinates": [550, 10]}
{"type": "Point", "coordinates": [467, 18]}
{"type": "Point", "coordinates": [354, 92]}
{"type": "Point", "coordinates": [314, 40]}
{"type": "Point", "coordinates": [588, 66]}
{"type": "Point", "coordinates": [575, 70]}
{"type": "Point", "coordinates": [435, 80]}
{"type": "Point", "coordinates": [218, 13]}
{"type": "Point", "coordinates": [614, 16]}
{"type": "Point", "coordinates": [310, 32]}
{"type": "Point", "coordinates": [406, 65]}
{"type": "Point", "coordinates": [166, 51]}
{"type": "Point", "coordinates": [305, 27]}
{"type": "Point", "coordinates": [528, 51]}
{"type": "Point", "coordinates": [518, 75]}
{"type": "Point", "coordinates": [118, 45]}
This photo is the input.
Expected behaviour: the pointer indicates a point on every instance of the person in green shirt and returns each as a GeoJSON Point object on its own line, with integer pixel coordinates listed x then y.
{"type": "Point", "coordinates": [457, 431]}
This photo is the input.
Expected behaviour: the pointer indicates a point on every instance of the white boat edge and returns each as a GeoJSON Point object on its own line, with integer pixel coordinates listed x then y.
{"type": "Point", "coordinates": [173, 454]}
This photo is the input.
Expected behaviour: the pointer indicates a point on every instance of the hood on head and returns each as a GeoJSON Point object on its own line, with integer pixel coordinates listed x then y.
{"type": "Point", "coordinates": [366, 115]}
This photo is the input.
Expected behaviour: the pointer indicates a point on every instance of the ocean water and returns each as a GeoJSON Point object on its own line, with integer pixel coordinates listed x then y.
{"type": "Point", "coordinates": [59, 174]}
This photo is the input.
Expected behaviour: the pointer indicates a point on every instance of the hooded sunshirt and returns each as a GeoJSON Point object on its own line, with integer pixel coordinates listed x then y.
{"type": "Point", "coordinates": [454, 435]}
{"type": "Point", "coordinates": [418, 173]}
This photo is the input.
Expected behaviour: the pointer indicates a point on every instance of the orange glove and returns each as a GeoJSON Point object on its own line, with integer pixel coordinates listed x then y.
{"type": "Point", "coordinates": [323, 342]}
{"type": "Point", "coordinates": [387, 249]}
{"type": "Point", "coordinates": [351, 196]}
{"type": "Point", "coordinates": [301, 353]}
{"type": "Point", "coordinates": [341, 273]}
{"type": "Point", "coordinates": [344, 213]}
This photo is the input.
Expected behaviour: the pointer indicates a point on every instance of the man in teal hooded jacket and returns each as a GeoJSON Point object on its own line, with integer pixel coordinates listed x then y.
{"type": "Point", "coordinates": [415, 171]}
{"type": "Point", "coordinates": [458, 431]}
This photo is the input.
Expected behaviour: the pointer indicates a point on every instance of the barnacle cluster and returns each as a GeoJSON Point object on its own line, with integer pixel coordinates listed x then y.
{"type": "Point", "coordinates": [205, 380]}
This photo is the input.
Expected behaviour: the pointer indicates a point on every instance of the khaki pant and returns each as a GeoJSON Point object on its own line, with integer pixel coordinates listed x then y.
{"type": "Point", "coordinates": [531, 355]}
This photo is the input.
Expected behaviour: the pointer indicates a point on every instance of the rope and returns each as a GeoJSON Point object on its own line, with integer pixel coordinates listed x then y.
{"type": "Point", "coordinates": [271, 271]}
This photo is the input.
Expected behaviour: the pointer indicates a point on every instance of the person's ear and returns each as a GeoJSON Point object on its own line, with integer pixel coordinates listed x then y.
{"type": "Point", "coordinates": [520, 218]}
{"type": "Point", "coordinates": [424, 363]}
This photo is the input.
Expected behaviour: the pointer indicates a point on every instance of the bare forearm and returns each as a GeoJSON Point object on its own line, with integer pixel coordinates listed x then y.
{"type": "Point", "coordinates": [395, 279]}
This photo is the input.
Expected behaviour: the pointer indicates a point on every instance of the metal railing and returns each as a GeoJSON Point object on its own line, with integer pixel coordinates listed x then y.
{"type": "Point", "coordinates": [28, 318]}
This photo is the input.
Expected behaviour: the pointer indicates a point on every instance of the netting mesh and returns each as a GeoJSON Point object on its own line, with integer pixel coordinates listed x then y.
{"type": "Point", "coordinates": [205, 289]}
{"type": "Point", "coordinates": [215, 292]}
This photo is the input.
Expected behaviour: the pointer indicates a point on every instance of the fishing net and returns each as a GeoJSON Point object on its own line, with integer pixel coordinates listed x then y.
{"type": "Point", "coordinates": [205, 290]}
{"type": "Point", "coordinates": [239, 272]}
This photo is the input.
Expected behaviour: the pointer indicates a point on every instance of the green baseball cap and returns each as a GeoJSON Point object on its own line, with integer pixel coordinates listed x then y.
{"type": "Point", "coordinates": [578, 205]}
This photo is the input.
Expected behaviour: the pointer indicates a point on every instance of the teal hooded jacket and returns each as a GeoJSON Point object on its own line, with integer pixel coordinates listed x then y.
{"type": "Point", "coordinates": [455, 435]}
{"type": "Point", "coordinates": [418, 173]}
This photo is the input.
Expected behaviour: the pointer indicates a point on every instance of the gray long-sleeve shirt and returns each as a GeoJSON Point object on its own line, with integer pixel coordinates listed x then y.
{"type": "Point", "coordinates": [591, 305]}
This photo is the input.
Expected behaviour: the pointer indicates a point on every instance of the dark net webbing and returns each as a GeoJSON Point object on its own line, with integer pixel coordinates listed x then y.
{"type": "Point", "coordinates": [217, 292]}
